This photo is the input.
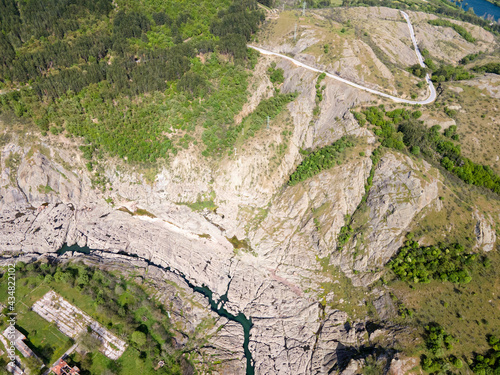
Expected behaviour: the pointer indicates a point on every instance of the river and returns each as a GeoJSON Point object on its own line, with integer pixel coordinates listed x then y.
{"type": "Point", "coordinates": [481, 8]}
{"type": "Point", "coordinates": [216, 305]}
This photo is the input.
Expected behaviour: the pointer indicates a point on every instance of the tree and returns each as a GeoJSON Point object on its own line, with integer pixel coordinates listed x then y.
{"type": "Point", "coordinates": [139, 338]}
{"type": "Point", "coordinates": [234, 44]}
{"type": "Point", "coordinates": [89, 342]}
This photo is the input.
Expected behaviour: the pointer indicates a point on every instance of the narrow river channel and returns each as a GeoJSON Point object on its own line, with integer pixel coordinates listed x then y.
{"type": "Point", "coordinates": [216, 305]}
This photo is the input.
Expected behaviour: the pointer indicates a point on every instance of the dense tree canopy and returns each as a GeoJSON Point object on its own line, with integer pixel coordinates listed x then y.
{"type": "Point", "coordinates": [85, 59]}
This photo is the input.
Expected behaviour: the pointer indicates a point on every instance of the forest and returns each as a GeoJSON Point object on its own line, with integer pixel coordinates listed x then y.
{"type": "Point", "coordinates": [158, 71]}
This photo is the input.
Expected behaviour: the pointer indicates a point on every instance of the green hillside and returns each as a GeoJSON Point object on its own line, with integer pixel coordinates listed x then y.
{"type": "Point", "coordinates": [134, 80]}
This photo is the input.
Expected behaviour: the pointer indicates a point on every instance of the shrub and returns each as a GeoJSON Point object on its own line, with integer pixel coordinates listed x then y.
{"type": "Point", "coordinates": [459, 29]}
{"type": "Point", "coordinates": [317, 161]}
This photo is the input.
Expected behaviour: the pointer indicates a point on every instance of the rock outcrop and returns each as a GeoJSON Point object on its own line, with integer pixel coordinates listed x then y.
{"type": "Point", "coordinates": [485, 234]}
{"type": "Point", "coordinates": [401, 190]}
{"type": "Point", "coordinates": [288, 232]}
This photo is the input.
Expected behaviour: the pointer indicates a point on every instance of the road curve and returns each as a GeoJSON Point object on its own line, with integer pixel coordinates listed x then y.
{"type": "Point", "coordinates": [432, 90]}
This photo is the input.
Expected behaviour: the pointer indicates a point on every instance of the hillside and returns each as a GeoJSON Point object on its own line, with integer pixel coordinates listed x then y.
{"type": "Point", "coordinates": [288, 223]}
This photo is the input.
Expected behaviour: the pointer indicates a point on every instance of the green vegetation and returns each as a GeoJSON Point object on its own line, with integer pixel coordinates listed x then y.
{"type": "Point", "coordinates": [467, 312]}
{"type": "Point", "coordinates": [414, 136]}
{"type": "Point", "coordinates": [352, 223]}
{"type": "Point", "coordinates": [375, 156]}
{"type": "Point", "coordinates": [488, 68]}
{"type": "Point", "coordinates": [442, 74]}
{"type": "Point", "coordinates": [319, 93]}
{"type": "Point", "coordinates": [418, 71]}
{"type": "Point", "coordinates": [386, 131]}
{"type": "Point", "coordinates": [415, 263]}
{"type": "Point", "coordinates": [201, 205]}
{"type": "Point", "coordinates": [120, 305]}
{"type": "Point", "coordinates": [435, 147]}
{"type": "Point", "coordinates": [319, 88]}
{"type": "Point", "coordinates": [137, 212]}
{"type": "Point", "coordinates": [489, 363]}
{"type": "Point", "coordinates": [437, 342]}
{"type": "Point", "coordinates": [344, 236]}
{"type": "Point", "coordinates": [317, 161]}
{"type": "Point", "coordinates": [222, 140]}
{"type": "Point", "coordinates": [240, 245]}
{"type": "Point", "coordinates": [276, 75]}
{"type": "Point", "coordinates": [451, 132]}
{"type": "Point", "coordinates": [459, 29]}
{"type": "Point", "coordinates": [45, 189]}
{"type": "Point", "coordinates": [450, 73]}
{"type": "Point", "coordinates": [360, 118]}
{"type": "Point", "coordinates": [134, 82]}
{"type": "Point", "coordinates": [12, 162]}
{"type": "Point", "coordinates": [469, 58]}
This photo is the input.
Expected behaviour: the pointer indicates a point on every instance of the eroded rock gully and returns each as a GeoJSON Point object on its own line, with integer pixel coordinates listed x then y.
{"type": "Point", "coordinates": [267, 286]}
{"type": "Point", "coordinates": [47, 203]}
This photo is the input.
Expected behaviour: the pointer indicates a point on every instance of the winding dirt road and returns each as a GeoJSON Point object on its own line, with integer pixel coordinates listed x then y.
{"type": "Point", "coordinates": [430, 98]}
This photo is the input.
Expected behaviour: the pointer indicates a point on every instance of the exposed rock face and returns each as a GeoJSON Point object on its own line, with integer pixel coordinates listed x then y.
{"type": "Point", "coordinates": [403, 365]}
{"type": "Point", "coordinates": [195, 325]}
{"type": "Point", "coordinates": [446, 44]}
{"type": "Point", "coordinates": [336, 332]}
{"type": "Point", "coordinates": [485, 234]}
{"type": "Point", "coordinates": [45, 204]}
{"type": "Point", "coordinates": [291, 334]}
{"type": "Point", "coordinates": [401, 189]}
{"type": "Point", "coordinates": [286, 322]}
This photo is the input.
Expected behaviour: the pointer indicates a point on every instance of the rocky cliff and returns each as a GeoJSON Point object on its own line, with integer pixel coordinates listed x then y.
{"type": "Point", "coordinates": [266, 246]}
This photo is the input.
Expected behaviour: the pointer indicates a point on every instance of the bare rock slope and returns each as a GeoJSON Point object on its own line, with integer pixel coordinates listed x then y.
{"type": "Point", "coordinates": [47, 200]}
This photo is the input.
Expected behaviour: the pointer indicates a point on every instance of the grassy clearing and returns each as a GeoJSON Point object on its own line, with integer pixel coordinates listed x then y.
{"type": "Point", "coordinates": [339, 293]}
{"type": "Point", "coordinates": [44, 337]}
{"type": "Point", "coordinates": [201, 205]}
{"type": "Point", "coordinates": [138, 212]}
{"type": "Point", "coordinates": [478, 131]}
{"type": "Point", "coordinates": [117, 303]}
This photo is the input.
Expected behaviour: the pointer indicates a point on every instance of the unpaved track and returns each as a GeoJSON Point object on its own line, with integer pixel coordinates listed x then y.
{"type": "Point", "coordinates": [430, 98]}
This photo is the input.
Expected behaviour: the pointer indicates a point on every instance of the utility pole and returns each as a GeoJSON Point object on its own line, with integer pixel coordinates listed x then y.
{"type": "Point", "coordinates": [303, 9]}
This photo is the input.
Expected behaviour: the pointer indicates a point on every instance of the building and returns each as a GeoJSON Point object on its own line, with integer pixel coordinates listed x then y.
{"type": "Point", "coordinates": [62, 368]}
{"type": "Point", "coordinates": [14, 369]}
{"type": "Point", "coordinates": [18, 342]}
